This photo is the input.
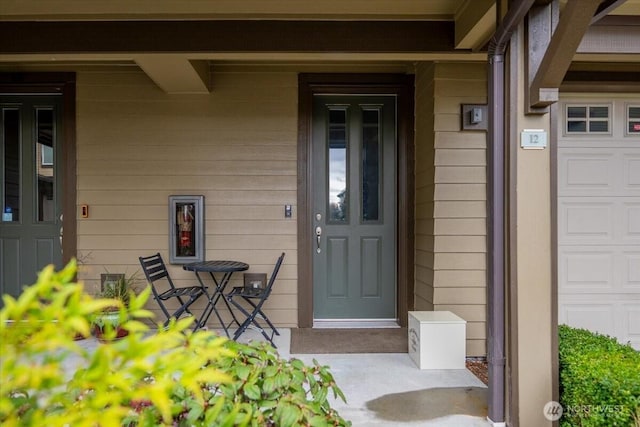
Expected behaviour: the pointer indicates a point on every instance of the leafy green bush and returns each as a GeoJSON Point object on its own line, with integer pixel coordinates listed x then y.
{"type": "Point", "coordinates": [599, 380]}
{"type": "Point", "coordinates": [270, 391]}
{"type": "Point", "coordinates": [169, 377]}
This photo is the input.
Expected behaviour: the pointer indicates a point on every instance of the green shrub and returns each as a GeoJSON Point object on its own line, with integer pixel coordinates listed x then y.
{"type": "Point", "coordinates": [169, 377]}
{"type": "Point", "coordinates": [599, 380]}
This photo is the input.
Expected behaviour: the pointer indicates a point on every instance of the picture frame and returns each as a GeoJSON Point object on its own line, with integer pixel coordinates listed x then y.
{"type": "Point", "coordinates": [186, 229]}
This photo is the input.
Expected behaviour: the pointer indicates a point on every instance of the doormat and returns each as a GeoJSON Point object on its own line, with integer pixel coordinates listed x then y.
{"type": "Point", "coordinates": [351, 340]}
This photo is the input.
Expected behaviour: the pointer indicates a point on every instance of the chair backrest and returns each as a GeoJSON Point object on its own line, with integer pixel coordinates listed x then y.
{"type": "Point", "coordinates": [154, 269]}
{"type": "Point", "coordinates": [273, 275]}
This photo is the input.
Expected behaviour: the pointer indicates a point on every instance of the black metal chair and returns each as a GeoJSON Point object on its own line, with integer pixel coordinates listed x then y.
{"type": "Point", "coordinates": [156, 274]}
{"type": "Point", "coordinates": [255, 298]}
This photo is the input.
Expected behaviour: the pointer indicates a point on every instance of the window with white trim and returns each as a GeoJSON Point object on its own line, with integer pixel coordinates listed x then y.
{"type": "Point", "coordinates": [588, 119]}
{"type": "Point", "coordinates": [633, 119]}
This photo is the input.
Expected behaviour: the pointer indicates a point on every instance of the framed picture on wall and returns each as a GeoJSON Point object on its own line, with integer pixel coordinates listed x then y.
{"type": "Point", "coordinates": [186, 229]}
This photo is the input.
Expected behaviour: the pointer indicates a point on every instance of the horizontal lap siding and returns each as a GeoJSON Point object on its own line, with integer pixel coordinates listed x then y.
{"type": "Point", "coordinates": [455, 218]}
{"type": "Point", "coordinates": [236, 146]}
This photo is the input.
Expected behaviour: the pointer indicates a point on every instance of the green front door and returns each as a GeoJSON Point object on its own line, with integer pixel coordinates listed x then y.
{"type": "Point", "coordinates": [30, 193]}
{"type": "Point", "coordinates": [354, 207]}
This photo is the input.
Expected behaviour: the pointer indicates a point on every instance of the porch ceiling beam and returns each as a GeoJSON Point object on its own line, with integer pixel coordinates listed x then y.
{"type": "Point", "coordinates": [475, 23]}
{"type": "Point", "coordinates": [226, 36]}
{"type": "Point", "coordinates": [60, 10]}
{"type": "Point", "coordinates": [175, 73]}
{"type": "Point", "coordinates": [574, 22]}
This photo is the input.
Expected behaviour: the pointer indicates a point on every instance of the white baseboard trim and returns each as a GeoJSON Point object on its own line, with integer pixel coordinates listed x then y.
{"type": "Point", "coordinates": [354, 323]}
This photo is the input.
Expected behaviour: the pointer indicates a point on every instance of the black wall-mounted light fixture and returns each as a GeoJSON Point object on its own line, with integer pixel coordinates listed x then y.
{"type": "Point", "coordinates": [474, 117]}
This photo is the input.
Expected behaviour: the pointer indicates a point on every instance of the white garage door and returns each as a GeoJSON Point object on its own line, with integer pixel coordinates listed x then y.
{"type": "Point", "coordinates": [599, 216]}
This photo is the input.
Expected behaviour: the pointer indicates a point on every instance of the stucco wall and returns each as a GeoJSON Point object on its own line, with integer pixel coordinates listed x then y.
{"type": "Point", "coordinates": [451, 197]}
{"type": "Point", "coordinates": [533, 316]}
{"type": "Point", "coordinates": [236, 146]}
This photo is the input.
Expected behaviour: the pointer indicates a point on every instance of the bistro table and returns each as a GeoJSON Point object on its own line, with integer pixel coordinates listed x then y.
{"type": "Point", "coordinates": [226, 268]}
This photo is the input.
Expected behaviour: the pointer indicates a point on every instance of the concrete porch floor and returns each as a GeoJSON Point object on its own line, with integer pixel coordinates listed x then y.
{"type": "Point", "coordinates": [388, 389]}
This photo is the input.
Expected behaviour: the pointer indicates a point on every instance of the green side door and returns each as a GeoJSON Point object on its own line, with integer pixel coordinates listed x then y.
{"type": "Point", "coordinates": [30, 193]}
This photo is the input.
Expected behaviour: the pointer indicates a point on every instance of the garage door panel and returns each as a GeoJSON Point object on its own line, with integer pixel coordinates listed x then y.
{"type": "Point", "coordinates": [599, 269]}
{"type": "Point", "coordinates": [615, 318]}
{"type": "Point", "coordinates": [598, 221]}
{"type": "Point", "coordinates": [632, 221]}
{"type": "Point", "coordinates": [632, 171]}
{"type": "Point", "coordinates": [595, 317]}
{"type": "Point", "coordinates": [631, 276]}
{"type": "Point", "coordinates": [631, 324]}
{"type": "Point", "coordinates": [583, 271]}
{"type": "Point", "coordinates": [596, 172]}
{"type": "Point", "coordinates": [586, 172]}
{"type": "Point", "coordinates": [588, 221]}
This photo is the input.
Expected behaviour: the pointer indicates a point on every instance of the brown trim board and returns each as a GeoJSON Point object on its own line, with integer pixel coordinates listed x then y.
{"type": "Point", "coordinates": [512, 378]}
{"type": "Point", "coordinates": [65, 84]}
{"type": "Point", "coordinates": [553, 145]}
{"type": "Point", "coordinates": [226, 36]}
{"type": "Point", "coordinates": [402, 86]}
{"type": "Point", "coordinates": [616, 81]}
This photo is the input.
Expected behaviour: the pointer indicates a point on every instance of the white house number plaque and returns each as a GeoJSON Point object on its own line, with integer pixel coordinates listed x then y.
{"type": "Point", "coordinates": [533, 139]}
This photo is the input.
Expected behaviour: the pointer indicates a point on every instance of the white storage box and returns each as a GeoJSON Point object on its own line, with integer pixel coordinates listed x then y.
{"type": "Point", "coordinates": [437, 339]}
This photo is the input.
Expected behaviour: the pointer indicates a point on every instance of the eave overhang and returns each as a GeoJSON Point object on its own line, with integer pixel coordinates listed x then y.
{"type": "Point", "coordinates": [175, 54]}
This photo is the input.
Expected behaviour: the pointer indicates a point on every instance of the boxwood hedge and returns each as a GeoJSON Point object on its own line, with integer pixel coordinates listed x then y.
{"type": "Point", "coordinates": [599, 380]}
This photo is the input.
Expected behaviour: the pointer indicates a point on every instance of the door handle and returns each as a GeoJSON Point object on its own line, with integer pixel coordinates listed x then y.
{"type": "Point", "coordinates": [318, 237]}
{"type": "Point", "coordinates": [61, 230]}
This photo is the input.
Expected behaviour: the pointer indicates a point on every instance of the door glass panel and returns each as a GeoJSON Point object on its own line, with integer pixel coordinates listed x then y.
{"type": "Point", "coordinates": [370, 165]}
{"type": "Point", "coordinates": [45, 143]}
{"type": "Point", "coordinates": [11, 151]}
{"type": "Point", "coordinates": [337, 176]}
